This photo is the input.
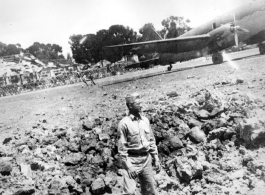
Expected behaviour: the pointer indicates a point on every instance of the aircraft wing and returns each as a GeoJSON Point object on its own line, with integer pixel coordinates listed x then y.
{"type": "Point", "coordinates": [172, 40]}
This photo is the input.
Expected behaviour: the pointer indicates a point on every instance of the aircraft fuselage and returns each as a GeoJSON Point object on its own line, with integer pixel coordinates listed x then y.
{"type": "Point", "coordinates": [249, 16]}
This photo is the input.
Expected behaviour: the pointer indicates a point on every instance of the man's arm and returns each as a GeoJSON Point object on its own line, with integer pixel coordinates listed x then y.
{"type": "Point", "coordinates": [122, 149]}
{"type": "Point", "coordinates": [153, 148]}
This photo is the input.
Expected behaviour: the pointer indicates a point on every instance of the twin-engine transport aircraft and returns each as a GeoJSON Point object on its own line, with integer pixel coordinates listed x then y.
{"type": "Point", "coordinates": [243, 24]}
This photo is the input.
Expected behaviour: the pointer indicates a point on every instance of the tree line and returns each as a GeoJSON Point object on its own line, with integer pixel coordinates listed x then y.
{"type": "Point", "coordinates": [39, 50]}
{"type": "Point", "coordinates": [90, 48]}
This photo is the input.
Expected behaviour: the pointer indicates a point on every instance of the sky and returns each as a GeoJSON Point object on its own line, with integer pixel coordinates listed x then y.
{"type": "Point", "coordinates": [54, 21]}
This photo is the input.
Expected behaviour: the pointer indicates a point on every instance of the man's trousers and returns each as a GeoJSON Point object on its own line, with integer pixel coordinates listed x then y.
{"type": "Point", "coordinates": [143, 167]}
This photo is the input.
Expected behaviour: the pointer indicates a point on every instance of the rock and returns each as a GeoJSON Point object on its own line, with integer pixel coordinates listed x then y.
{"type": "Point", "coordinates": [87, 145]}
{"type": "Point", "coordinates": [200, 99]}
{"type": "Point", "coordinates": [69, 180]}
{"type": "Point", "coordinates": [179, 122]}
{"type": "Point", "coordinates": [175, 142]}
{"type": "Point", "coordinates": [172, 94]}
{"type": "Point", "coordinates": [202, 114]}
{"type": "Point", "coordinates": [239, 81]}
{"type": "Point", "coordinates": [26, 170]}
{"type": "Point", "coordinates": [258, 137]}
{"type": "Point", "coordinates": [36, 166]}
{"type": "Point", "coordinates": [61, 144]}
{"type": "Point", "coordinates": [98, 160]}
{"type": "Point", "coordinates": [87, 179]}
{"type": "Point", "coordinates": [74, 146]}
{"type": "Point", "coordinates": [73, 158]}
{"type": "Point", "coordinates": [225, 82]}
{"type": "Point", "coordinates": [97, 122]}
{"type": "Point", "coordinates": [98, 186]}
{"type": "Point", "coordinates": [2, 152]}
{"type": "Point", "coordinates": [208, 126]}
{"type": "Point", "coordinates": [197, 135]}
{"type": "Point", "coordinates": [236, 115]}
{"type": "Point", "coordinates": [21, 142]}
{"type": "Point", "coordinates": [25, 150]}
{"type": "Point", "coordinates": [237, 174]}
{"type": "Point", "coordinates": [49, 140]}
{"type": "Point", "coordinates": [103, 137]}
{"type": "Point", "coordinates": [38, 153]}
{"type": "Point", "coordinates": [60, 134]}
{"type": "Point", "coordinates": [97, 130]}
{"type": "Point", "coordinates": [87, 125]}
{"type": "Point", "coordinates": [7, 140]}
{"type": "Point", "coordinates": [71, 133]}
{"type": "Point", "coordinates": [185, 172]}
{"type": "Point", "coordinates": [183, 130]}
{"type": "Point", "coordinates": [106, 153]}
{"type": "Point", "coordinates": [78, 179]}
{"type": "Point", "coordinates": [258, 188]}
{"type": "Point", "coordinates": [87, 192]}
{"type": "Point", "coordinates": [216, 133]}
{"type": "Point", "coordinates": [221, 122]}
{"type": "Point", "coordinates": [193, 122]}
{"type": "Point", "coordinates": [43, 120]}
{"type": "Point", "coordinates": [163, 148]}
{"type": "Point", "coordinates": [57, 185]}
{"type": "Point", "coordinates": [254, 165]}
{"type": "Point", "coordinates": [187, 168]}
{"type": "Point", "coordinates": [5, 168]}
{"type": "Point", "coordinates": [25, 191]}
{"type": "Point", "coordinates": [246, 130]}
{"type": "Point", "coordinates": [215, 175]}
{"type": "Point", "coordinates": [108, 181]}
{"type": "Point", "coordinates": [228, 134]}
{"type": "Point", "coordinates": [196, 189]}
{"type": "Point", "coordinates": [164, 181]}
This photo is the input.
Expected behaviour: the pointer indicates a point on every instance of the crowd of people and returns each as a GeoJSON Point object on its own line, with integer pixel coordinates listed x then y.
{"type": "Point", "coordinates": [12, 89]}
{"type": "Point", "coordinates": [63, 79]}
{"type": "Point", "coordinates": [30, 85]}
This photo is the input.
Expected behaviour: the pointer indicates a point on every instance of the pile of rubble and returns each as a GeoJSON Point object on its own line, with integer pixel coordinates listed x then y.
{"type": "Point", "coordinates": [204, 147]}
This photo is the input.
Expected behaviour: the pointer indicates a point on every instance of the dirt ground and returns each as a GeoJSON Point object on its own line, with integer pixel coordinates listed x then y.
{"type": "Point", "coordinates": [67, 105]}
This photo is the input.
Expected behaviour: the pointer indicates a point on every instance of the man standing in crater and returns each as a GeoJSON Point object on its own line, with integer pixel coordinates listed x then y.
{"type": "Point", "coordinates": [137, 147]}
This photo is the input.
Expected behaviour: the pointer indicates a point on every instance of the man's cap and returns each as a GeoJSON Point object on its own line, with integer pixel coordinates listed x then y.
{"type": "Point", "coordinates": [130, 98]}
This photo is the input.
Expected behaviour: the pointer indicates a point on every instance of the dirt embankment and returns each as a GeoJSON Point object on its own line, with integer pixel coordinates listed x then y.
{"type": "Point", "coordinates": [208, 123]}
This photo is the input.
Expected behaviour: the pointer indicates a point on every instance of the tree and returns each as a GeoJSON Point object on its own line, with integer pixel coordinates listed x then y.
{"type": "Point", "coordinates": [118, 34]}
{"type": "Point", "coordinates": [10, 49]}
{"type": "Point", "coordinates": [82, 50]}
{"type": "Point", "coordinates": [45, 52]}
{"type": "Point", "coordinates": [148, 33]}
{"type": "Point", "coordinates": [174, 26]}
{"type": "Point", "coordinates": [90, 48]}
{"type": "Point", "coordinates": [69, 57]}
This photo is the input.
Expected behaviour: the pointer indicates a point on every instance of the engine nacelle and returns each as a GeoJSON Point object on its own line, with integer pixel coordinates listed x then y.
{"type": "Point", "coordinates": [224, 36]}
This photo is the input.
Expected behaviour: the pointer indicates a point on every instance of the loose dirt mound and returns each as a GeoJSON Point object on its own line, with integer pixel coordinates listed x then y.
{"type": "Point", "coordinates": [202, 144]}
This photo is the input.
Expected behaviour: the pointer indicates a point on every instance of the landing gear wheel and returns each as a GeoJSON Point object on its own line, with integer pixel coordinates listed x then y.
{"type": "Point", "coordinates": [262, 49]}
{"type": "Point", "coordinates": [217, 58]}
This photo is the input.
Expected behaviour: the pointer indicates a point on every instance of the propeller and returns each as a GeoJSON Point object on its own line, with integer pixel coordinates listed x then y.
{"type": "Point", "coordinates": [235, 29]}
{"type": "Point", "coordinates": [235, 32]}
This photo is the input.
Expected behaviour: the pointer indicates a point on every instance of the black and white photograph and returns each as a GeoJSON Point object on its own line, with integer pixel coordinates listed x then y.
{"type": "Point", "coordinates": [132, 97]}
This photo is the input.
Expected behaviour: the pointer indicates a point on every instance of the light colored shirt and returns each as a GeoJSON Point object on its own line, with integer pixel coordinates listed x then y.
{"type": "Point", "coordinates": [136, 135]}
